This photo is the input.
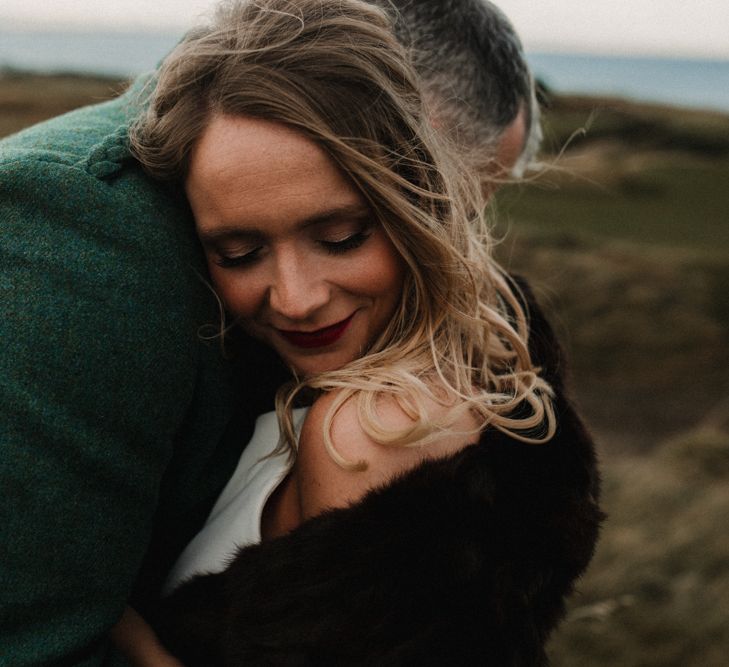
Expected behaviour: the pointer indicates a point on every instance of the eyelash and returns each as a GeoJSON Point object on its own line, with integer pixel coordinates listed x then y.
{"type": "Point", "coordinates": [345, 245]}
{"type": "Point", "coordinates": [332, 247]}
{"type": "Point", "coordinates": [238, 261]}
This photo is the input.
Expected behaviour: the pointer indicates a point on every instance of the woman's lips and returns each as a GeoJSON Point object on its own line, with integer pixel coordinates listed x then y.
{"type": "Point", "coordinates": [318, 338]}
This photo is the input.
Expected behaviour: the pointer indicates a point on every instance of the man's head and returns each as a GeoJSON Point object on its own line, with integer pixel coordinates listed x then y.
{"type": "Point", "coordinates": [476, 78]}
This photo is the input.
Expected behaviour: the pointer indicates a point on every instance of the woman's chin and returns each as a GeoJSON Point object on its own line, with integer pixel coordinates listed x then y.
{"type": "Point", "coordinates": [313, 363]}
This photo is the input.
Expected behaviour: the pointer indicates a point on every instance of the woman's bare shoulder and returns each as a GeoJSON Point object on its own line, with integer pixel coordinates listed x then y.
{"type": "Point", "coordinates": [324, 484]}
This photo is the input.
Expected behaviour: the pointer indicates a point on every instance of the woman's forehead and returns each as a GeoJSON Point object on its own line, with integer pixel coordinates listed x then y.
{"type": "Point", "coordinates": [257, 172]}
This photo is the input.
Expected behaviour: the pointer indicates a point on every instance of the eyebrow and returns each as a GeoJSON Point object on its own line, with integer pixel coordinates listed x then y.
{"type": "Point", "coordinates": [349, 211]}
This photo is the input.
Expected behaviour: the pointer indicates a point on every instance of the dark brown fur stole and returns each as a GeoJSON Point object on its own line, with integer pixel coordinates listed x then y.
{"type": "Point", "coordinates": [461, 561]}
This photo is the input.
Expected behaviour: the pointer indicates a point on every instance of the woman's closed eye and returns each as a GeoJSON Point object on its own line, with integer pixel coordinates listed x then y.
{"type": "Point", "coordinates": [237, 258]}
{"type": "Point", "coordinates": [334, 239]}
{"type": "Point", "coordinates": [350, 242]}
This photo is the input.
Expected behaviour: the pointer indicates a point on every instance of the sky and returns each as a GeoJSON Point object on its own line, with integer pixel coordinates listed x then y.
{"type": "Point", "coordinates": [685, 28]}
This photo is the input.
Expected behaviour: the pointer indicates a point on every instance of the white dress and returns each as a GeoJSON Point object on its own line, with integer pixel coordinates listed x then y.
{"type": "Point", "coordinates": [235, 520]}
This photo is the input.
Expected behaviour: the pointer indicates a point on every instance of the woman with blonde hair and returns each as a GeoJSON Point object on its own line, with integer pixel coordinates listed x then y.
{"type": "Point", "coordinates": [424, 493]}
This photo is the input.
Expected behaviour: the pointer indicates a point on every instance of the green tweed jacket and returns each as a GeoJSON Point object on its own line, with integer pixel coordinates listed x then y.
{"type": "Point", "coordinates": [115, 415]}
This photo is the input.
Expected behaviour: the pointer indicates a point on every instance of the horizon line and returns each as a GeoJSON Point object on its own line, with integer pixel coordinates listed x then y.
{"type": "Point", "coordinates": [574, 47]}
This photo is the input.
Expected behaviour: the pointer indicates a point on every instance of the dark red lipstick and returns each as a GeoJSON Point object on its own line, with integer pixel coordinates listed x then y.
{"type": "Point", "coordinates": [318, 338]}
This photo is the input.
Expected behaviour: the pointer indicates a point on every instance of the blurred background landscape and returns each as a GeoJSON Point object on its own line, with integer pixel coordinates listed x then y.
{"type": "Point", "coordinates": [624, 236]}
{"type": "Point", "coordinates": [626, 239]}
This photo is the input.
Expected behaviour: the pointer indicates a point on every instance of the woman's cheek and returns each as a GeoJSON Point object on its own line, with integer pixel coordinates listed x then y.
{"type": "Point", "coordinates": [383, 269]}
{"type": "Point", "coordinates": [241, 295]}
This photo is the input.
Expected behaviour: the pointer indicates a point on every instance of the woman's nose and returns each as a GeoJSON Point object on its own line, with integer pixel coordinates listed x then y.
{"type": "Point", "coordinates": [298, 290]}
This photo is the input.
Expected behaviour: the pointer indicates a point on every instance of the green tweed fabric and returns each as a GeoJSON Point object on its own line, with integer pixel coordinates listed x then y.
{"type": "Point", "coordinates": [113, 410]}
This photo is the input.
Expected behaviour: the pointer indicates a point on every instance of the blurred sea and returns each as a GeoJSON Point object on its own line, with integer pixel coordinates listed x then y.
{"type": "Point", "coordinates": [693, 83]}
{"type": "Point", "coordinates": [111, 53]}
{"type": "Point", "coordinates": [681, 82]}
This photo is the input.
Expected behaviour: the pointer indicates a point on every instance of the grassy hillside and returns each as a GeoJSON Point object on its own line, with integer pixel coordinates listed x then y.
{"type": "Point", "coordinates": [625, 237]}
{"type": "Point", "coordinates": [26, 99]}
{"type": "Point", "coordinates": [656, 593]}
{"type": "Point", "coordinates": [627, 234]}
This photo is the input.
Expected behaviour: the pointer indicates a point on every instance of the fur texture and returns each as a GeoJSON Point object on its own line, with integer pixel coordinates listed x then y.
{"type": "Point", "coordinates": [461, 561]}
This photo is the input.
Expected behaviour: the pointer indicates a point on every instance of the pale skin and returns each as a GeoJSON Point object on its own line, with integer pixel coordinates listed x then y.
{"type": "Point", "coordinates": [318, 483]}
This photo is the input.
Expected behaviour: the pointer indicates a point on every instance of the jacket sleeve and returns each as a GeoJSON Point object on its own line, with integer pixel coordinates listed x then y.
{"type": "Point", "coordinates": [95, 377]}
{"type": "Point", "coordinates": [465, 560]}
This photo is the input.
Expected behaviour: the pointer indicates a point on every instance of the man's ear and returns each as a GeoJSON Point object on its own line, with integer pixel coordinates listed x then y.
{"type": "Point", "coordinates": [512, 142]}
{"type": "Point", "coordinates": [508, 150]}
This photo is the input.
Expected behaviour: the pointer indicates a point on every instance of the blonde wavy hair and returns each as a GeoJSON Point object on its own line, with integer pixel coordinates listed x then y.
{"type": "Point", "coordinates": [333, 71]}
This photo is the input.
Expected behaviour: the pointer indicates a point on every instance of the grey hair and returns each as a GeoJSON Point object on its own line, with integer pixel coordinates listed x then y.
{"type": "Point", "coordinates": [474, 69]}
